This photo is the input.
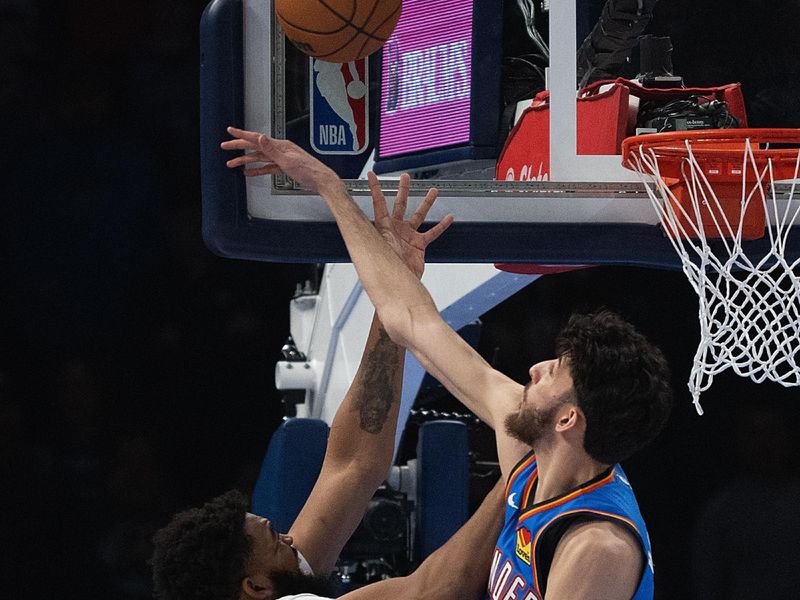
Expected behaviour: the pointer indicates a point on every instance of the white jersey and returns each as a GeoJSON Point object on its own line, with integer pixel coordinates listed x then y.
{"type": "Point", "coordinates": [302, 563]}
{"type": "Point", "coordinates": [305, 569]}
{"type": "Point", "coordinates": [304, 597]}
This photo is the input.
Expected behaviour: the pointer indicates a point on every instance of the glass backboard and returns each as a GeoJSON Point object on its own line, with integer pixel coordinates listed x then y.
{"type": "Point", "coordinates": [449, 99]}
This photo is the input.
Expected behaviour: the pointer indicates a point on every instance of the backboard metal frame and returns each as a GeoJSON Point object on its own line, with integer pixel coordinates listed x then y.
{"type": "Point", "coordinates": [565, 221]}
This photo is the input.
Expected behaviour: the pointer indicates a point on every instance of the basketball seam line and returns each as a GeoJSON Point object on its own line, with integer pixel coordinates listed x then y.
{"type": "Point", "coordinates": [343, 27]}
{"type": "Point", "coordinates": [372, 12]}
{"type": "Point", "coordinates": [306, 30]}
{"type": "Point", "coordinates": [359, 32]}
{"type": "Point", "coordinates": [347, 21]}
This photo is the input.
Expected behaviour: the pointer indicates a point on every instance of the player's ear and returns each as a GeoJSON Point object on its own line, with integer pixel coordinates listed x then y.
{"type": "Point", "coordinates": [568, 418]}
{"type": "Point", "coordinates": [257, 587]}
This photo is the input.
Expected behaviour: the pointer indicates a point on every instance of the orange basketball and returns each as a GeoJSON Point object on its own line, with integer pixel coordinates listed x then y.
{"type": "Point", "coordinates": [338, 30]}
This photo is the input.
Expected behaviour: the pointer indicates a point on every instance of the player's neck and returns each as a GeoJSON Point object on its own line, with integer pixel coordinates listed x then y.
{"type": "Point", "coordinates": [562, 469]}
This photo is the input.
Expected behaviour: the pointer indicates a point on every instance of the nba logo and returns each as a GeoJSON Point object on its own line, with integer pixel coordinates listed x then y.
{"type": "Point", "coordinates": [339, 107]}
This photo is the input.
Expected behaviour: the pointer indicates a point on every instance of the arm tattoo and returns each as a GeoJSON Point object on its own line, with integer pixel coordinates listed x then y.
{"type": "Point", "coordinates": [378, 383]}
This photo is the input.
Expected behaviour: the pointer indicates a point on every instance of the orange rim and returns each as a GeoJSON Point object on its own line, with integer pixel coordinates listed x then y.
{"type": "Point", "coordinates": [708, 146]}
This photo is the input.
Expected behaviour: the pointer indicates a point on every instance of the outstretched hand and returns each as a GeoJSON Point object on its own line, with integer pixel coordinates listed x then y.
{"type": "Point", "coordinates": [278, 156]}
{"type": "Point", "coordinates": [401, 234]}
{"type": "Point", "coordinates": [264, 155]}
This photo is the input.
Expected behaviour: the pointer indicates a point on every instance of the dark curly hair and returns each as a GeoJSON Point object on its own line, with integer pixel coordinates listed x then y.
{"type": "Point", "coordinates": [622, 384]}
{"type": "Point", "coordinates": [202, 553]}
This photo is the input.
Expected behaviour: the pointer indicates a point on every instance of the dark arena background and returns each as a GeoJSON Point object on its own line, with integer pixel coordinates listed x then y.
{"type": "Point", "coordinates": [136, 367]}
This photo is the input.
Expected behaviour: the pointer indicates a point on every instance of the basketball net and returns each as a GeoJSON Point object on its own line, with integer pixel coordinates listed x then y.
{"type": "Point", "coordinates": [749, 306]}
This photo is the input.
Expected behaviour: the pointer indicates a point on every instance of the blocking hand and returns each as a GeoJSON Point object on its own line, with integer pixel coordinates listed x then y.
{"type": "Point", "coordinates": [401, 234]}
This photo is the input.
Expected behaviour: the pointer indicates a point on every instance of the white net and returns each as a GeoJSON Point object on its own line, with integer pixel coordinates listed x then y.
{"type": "Point", "coordinates": [749, 306]}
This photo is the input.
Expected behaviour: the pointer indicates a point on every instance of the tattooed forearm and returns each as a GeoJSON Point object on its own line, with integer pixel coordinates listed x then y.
{"type": "Point", "coordinates": [379, 383]}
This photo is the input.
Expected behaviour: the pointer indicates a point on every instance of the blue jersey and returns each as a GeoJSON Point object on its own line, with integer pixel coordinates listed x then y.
{"type": "Point", "coordinates": [531, 531]}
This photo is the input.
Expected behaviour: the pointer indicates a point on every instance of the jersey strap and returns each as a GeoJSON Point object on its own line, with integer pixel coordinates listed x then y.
{"type": "Point", "coordinates": [524, 463]}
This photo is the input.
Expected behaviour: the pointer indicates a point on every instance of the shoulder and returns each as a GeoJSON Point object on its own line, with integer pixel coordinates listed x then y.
{"type": "Point", "coordinates": [603, 540]}
{"type": "Point", "coordinates": [596, 555]}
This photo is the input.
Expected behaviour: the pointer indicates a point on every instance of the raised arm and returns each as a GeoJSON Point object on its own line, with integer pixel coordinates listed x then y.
{"type": "Point", "coordinates": [361, 443]}
{"type": "Point", "coordinates": [358, 457]}
{"type": "Point", "coordinates": [414, 321]}
{"type": "Point", "coordinates": [458, 570]}
{"type": "Point", "coordinates": [402, 302]}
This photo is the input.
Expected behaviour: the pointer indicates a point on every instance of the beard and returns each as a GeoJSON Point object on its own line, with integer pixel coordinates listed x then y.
{"type": "Point", "coordinates": [530, 426]}
{"type": "Point", "coordinates": [286, 583]}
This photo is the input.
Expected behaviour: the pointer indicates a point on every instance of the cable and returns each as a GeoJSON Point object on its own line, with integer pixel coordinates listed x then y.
{"type": "Point", "coordinates": [707, 113]}
{"type": "Point", "coordinates": [528, 10]}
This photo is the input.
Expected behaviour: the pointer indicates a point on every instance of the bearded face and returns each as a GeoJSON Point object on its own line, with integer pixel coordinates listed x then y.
{"type": "Point", "coordinates": [545, 394]}
{"type": "Point", "coordinates": [530, 425]}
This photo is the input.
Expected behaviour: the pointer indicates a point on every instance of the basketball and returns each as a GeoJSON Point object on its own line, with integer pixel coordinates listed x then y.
{"type": "Point", "coordinates": [338, 31]}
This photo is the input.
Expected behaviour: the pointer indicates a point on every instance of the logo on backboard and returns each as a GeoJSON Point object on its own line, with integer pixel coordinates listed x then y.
{"type": "Point", "coordinates": [339, 107]}
{"type": "Point", "coordinates": [524, 545]}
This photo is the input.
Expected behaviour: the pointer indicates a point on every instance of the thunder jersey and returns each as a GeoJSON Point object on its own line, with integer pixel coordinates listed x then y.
{"type": "Point", "coordinates": [531, 532]}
